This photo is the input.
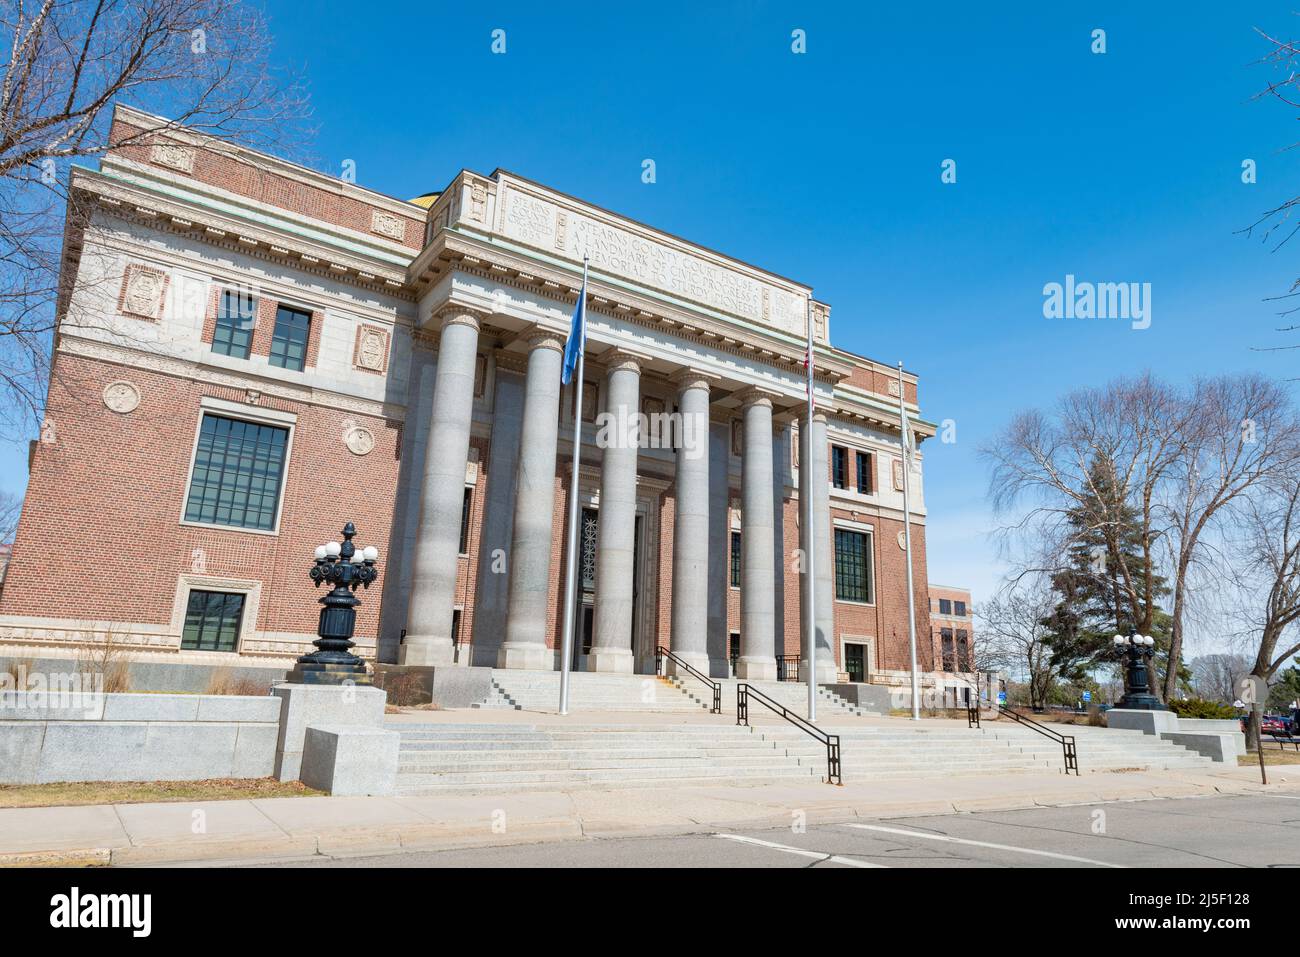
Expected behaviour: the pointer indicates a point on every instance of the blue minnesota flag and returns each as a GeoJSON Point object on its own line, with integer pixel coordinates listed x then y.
{"type": "Point", "coordinates": [577, 341]}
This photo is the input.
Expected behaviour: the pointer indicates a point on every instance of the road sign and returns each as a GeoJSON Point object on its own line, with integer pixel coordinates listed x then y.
{"type": "Point", "coordinates": [1002, 697]}
{"type": "Point", "coordinates": [1087, 696]}
{"type": "Point", "coordinates": [1253, 692]}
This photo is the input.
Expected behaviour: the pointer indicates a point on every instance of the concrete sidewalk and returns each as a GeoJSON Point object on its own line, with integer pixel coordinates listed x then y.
{"type": "Point", "coordinates": [288, 828]}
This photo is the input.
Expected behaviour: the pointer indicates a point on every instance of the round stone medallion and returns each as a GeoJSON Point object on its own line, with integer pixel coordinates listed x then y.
{"type": "Point", "coordinates": [902, 541]}
{"type": "Point", "coordinates": [358, 440]}
{"type": "Point", "coordinates": [122, 397]}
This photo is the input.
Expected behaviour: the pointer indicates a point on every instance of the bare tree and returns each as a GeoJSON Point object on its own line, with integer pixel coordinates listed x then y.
{"type": "Point", "coordinates": [1240, 432]}
{"type": "Point", "coordinates": [11, 507]}
{"type": "Point", "coordinates": [1215, 676]}
{"type": "Point", "coordinates": [1012, 637]}
{"type": "Point", "coordinates": [204, 64]}
{"type": "Point", "coordinates": [1047, 465]}
{"type": "Point", "coordinates": [1176, 461]}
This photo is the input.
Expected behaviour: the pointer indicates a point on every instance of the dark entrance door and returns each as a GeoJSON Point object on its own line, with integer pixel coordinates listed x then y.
{"type": "Point", "coordinates": [855, 662]}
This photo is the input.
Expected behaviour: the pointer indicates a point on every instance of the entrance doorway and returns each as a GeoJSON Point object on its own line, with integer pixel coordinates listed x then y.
{"type": "Point", "coordinates": [855, 661]}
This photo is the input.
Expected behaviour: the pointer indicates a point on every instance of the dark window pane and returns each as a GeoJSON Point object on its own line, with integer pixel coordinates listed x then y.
{"type": "Point", "coordinates": [852, 565]}
{"type": "Point", "coordinates": [945, 606]}
{"type": "Point", "coordinates": [212, 621]}
{"type": "Point", "coordinates": [959, 609]}
{"type": "Point", "coordinates": [289, 343]}
{"type": "Point", "coordinates": [839, 467]}
{"type": "Point", "coordinates": [464, 521]}
{"type": "Point", "coordinates": [864, 473]}
{"type": "Point", "coordinates": [735, 559]}
{"type": "Point", "coordinates": [236, 312]}
{"type": "Point", "coordinates": [237, 473]}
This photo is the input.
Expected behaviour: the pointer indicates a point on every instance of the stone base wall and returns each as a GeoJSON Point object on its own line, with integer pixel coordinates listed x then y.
{"type": "Point", "coordinates": [51, 737]}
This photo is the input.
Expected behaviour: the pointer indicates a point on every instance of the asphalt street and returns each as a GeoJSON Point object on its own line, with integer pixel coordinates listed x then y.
{"type": "Point", "coordinates": [1235, 831]}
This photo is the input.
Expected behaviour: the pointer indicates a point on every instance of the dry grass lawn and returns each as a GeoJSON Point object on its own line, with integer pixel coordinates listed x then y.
{"type": "Point", "coordinates": [1272, 755]}
{"type": "Point", "coordinates": [142, 792]}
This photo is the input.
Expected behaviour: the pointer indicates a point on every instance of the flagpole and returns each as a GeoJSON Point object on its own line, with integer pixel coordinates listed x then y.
{"type": "Point", "coordinates": [904, 432]}
{"type": "Point", "coordinates": [570, 586]}
{"type": "Point", "coordinates": [810, 539]}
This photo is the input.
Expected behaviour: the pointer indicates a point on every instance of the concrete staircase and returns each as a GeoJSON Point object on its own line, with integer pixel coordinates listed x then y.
{"type": "Point", "coordinates": [591, 691]}
{"type": "Point", "coordinates": [594, 691]}
{"type": "Point", "coordinates": [441, 758]}
{"type": "Point", "coordinates": [876, 752]}
{"type": "Point", "coordinates": [450, 758]}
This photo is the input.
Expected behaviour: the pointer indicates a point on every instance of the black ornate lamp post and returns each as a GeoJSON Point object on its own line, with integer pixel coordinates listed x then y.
{"type": "Point", "coordinates": [346, 568]}
{"type": "Point", "coordinates": [1135, 651]}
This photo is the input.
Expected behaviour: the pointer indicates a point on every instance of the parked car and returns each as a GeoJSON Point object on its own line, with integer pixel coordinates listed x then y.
{"type": "Point", "coordinates": [1275, 724]}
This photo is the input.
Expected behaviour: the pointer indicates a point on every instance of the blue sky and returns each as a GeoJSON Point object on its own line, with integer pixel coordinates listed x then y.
{"type": "Point", "coordinates": [825, 167]}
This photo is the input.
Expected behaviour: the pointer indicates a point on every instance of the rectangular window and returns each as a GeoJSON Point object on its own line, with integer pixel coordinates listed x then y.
{"type": "Point", "coordinates": [853, 566]}
{"type": "Point", "coordinates": [864, 473]}
{"type": "Point", "coordinates": [289, 343]}
{"type": "Point", "coordinates": [959, 609]}
{"type": "Point", "coordinates": [839, 467]}
{"type": "Point", "coordinates": [963, 651]}
{"type": "Point", "coordinates": [949, 659]}
{"type": "Point", "coordinates": [236, 314]}
{"type": "Point", "coordinates": [464, 520]}
{"type": "Point", "coordinates": [945, 606]}
{"type": "Point", "coordinates": [735, 559]}
{"type": "Point", "coordinates": [212, 621]}
{"type": "Point", "coordinates": [238, 471]}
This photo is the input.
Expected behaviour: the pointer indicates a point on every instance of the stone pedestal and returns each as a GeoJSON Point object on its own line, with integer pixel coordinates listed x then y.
{"type": "Point", "coordinates": [618, 660]}
{"type": "Point", "coordinates": [756, 669]}
{"type": "Point", "coordinates": [349, 760]}
{"type": "Point", "coordinates": [320, 705]}
{"type": "Point", "coordinates": [1148, 722]}
{"type": "Point", "coordinates": [697, 660]}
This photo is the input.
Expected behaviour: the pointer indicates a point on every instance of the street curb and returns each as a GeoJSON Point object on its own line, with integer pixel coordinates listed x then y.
{"type": "Point", "coordinates": [432, 836]}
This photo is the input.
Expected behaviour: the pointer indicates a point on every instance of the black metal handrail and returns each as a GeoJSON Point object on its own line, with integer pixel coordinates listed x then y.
{"type": "Point", "coordinates": [972, 710]}
{"type": "Point", "coordinates": [787, 668]}
{"type": "Point", "coordinates": [1066, 741]}
{"type": "Point", "coordinates": [661, 653]}
{"type": "Point", "coordinates": [832, 741]}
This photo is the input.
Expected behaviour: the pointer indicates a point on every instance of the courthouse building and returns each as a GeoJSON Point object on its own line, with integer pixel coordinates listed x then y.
{"type": "Point", "coordinates": [250, 354]}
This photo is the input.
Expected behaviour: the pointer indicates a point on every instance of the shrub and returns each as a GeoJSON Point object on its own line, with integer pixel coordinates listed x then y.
{"type": "Point", "coordinates": [1201, 708]}
{"type": "Point", "coordinates": [108, 659]}
{"type": "Point", "coordinates": [224, 681]}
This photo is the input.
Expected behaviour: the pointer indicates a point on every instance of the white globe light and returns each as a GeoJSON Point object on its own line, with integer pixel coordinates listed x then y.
{"type": "Point", "coordinates": [333, 548]}
{"type": "Point", "coordinates": [320, 552]}
{"type": "Point", "coordinates": [371, 553]}
{"type": "Point", "coordinates": [357, 558]}
{"type": "Point", "coordinates": [1151, 642]}
{"type": "Point", "coordinates": [1119, 641]}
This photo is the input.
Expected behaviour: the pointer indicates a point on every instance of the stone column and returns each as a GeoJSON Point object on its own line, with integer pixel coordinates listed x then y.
{"type": "Point", "coordinates": [530, 547]}
{"type": "Point", "coordinates": [619, 438]}
{"type": "Point", "coordinates": [719, 544]}
{"type": "Point", "coordinates": [814, 484]}
{"type": "Point", "coordinates": [757, 574]}
{"type": "Point", "coordinates": [690, 621]}
{"type": "Point", "coordinates": [442, 492]}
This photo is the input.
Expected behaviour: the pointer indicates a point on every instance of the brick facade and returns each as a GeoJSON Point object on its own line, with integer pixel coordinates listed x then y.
{"type": "Point", "coordinates": [111, 472]}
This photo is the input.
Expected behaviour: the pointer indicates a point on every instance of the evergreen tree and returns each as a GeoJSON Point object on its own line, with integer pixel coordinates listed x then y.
{"type": "Point", "coordinates": [1102, 586]}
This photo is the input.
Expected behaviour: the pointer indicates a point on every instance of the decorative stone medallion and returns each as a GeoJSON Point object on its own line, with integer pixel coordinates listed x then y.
{"type": "Point", "coordinates": [902, 540]}
{"type": "Point", "coordinates": [898, 475]}
{"type": "Point", "coordinates": [371, 352]}
{"type": "Point", "coordinates": [359, 441]}
{"type": "Point", "coordinates": [122, 397]}
{"type": "Point", "coordinates": [174, 156]}
{"type": "Point", "coordinates": [893, 387]}
{"type": "Point", "coordinates": [143, 290]}
{"type": "Point", "coordinates": [388, 224]}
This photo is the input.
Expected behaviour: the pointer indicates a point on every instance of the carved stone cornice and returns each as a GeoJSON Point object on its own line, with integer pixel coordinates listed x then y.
{"type": "Point", "coordinates": [136, 203]}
